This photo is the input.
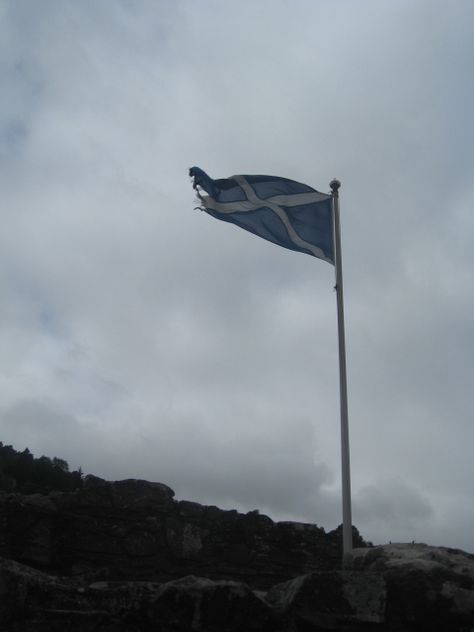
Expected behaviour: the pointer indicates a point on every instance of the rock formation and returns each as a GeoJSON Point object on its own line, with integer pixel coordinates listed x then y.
{"type": "Point", "coordinates": [136, 530]}
{"type": "Point", "coordinates": [128, 557]}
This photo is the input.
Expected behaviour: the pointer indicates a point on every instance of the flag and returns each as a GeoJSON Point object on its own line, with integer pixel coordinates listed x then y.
{"type": "Point", "coordinates": [288, 213]}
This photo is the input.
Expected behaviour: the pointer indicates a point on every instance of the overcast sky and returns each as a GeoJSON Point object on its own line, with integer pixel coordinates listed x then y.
{"type": "Point", "coordinates": [141, 338]}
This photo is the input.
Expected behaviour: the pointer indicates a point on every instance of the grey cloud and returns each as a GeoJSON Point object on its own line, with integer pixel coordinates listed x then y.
{"type": "Point", "coordinates": [394, 508]}
{"type": "Point", "coordinates": [179, 348]}
{"type": "Point", "coordinates": [47, 431]}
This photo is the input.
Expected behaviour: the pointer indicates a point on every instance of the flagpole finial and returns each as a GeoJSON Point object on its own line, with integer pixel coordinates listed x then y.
{"type": "Point", "coordinates": [335, 184]}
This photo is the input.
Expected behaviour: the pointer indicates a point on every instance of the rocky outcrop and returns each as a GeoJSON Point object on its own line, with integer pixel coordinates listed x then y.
{"type": "Point", "coordinates": [411, 590]}
{"type": "Point", "coordinates": [428, 588]}
{"type": "Point", "coordinates": [128, 557]}
{"type": "Point", "coordinates": [35, 602]}
{"type": "Point", "coordinates": [136, 530]}
{"type": "Point", "coordinates": [330, 600]}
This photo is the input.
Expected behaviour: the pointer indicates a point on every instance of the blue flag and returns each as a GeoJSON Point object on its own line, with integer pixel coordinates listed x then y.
{"type": "Point", "coordinates": [288, 213]}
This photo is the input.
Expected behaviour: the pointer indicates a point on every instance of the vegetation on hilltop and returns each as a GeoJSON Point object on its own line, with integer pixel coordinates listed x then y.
{"type": "Point", "coordinates": [22, 472]}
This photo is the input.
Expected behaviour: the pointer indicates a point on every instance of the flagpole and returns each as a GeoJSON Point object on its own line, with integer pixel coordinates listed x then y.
{"type": "Point", "coordinates": [345, 458]}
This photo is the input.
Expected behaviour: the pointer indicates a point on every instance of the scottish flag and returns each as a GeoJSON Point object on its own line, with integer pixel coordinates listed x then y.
{"type": "Point", "coordinates": [288, 213]}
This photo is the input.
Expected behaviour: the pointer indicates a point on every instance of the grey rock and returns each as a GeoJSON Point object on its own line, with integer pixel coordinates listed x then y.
{"type": "Point", "coordinates": [194, 603]}
{"type": "Point", "coordinates": [135, 493]}
{"type": "Point", "coordinates": [32, 601]}
{"type": "Point", "coordinates": [331, 599]}
{"type": "Point", "coordinates": [431, 587]}
{"type": "Point", "coordinates": [134, 529]}
{"type": "Point", "coordinates": [144, 562]}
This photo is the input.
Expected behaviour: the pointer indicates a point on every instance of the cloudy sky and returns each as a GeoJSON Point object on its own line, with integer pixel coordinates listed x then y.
{"type": "Point", "coordinates": [141, 338]}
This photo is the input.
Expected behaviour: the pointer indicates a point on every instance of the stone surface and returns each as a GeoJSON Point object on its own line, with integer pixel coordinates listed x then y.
{"type": "Point", "coordinates": [431, 587]}
{"type": "Point", "coordinates": [135, 529]}
{"type": "Point", "coordinates": [332, 599]}
{"type": "Point", "coordinates": [34, 601]}
{"type": "Point", "coordinates": [193, 603]}
{"type": "Point", "coordinates": [128, 557]}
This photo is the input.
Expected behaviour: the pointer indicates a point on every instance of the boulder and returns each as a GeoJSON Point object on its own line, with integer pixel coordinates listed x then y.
{"type": "Point", "coordinates": [331, 600]}
{"type": "Point", "coordinates": [138, 494]}
{"type": "Point", "coordinates": [194, 603]}
{"type": "Point", "coordinates": [428, 588]}
{"type": "Point", "coordinates": [398, 588]}
{"type": "Point", "coordinates": [33, 601]}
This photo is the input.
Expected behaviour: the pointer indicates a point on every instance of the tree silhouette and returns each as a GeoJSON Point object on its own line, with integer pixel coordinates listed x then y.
{"type": "Point", "coordinates": [22, 472]}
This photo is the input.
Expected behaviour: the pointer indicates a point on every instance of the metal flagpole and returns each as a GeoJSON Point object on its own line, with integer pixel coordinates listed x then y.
{"type": "Point", "coordinates": [345, 459]}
